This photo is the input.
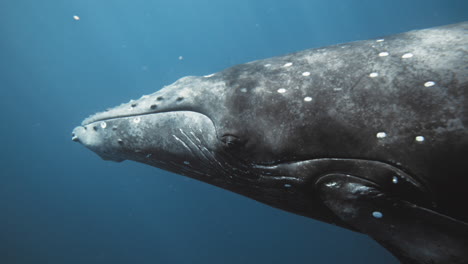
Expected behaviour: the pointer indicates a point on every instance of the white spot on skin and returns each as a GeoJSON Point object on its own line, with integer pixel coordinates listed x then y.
{"type": "Point", "coordinates": [377, 214]}
{"type": "Point", "coordinates": [395, 179]}
{"type": "Point", "coordinates": [103, 124]}
{"type": "Point", "coordinates": [267, 65]}
{"type": "Point", "coordinates": [429, 84]}
{"type": "Point", "coordinates": [380, 40]}
{"type": "Point", "coordinates": [209, 75]}
{"type": "Point", "coordinates": [419, 138]}
{"type": "Point", "coordinates": [337, 89]}
{"type": "Point", "coordinates": [289, 64]}
{"type": "Point", "coordinates": [305, 74]}
{"type": "Point", "coordinates": [407, 55]}
{"type": "Point", "coordinates": [287, 185]}
{"type": "Point", "coordinates": [381, 135]}
{"type": "Point", "coordinates": [149, 155]}
{"type": "Point", "coordinates": [330, 184]}
{"type": "Point", "coordinates": [281, 90]}
{"type": "Point", "coordinates": [244, 90]}
{"type": "Point", "coordinates": [136, 120]}
{"type": "Point", "coordinates": [308, 99]}
{"type": "Point", "coordinates": [373, 74]}
{"type": "Point", "coordinates": [186, 163]}
{"type": "Point", "coordinates": [383, 54]}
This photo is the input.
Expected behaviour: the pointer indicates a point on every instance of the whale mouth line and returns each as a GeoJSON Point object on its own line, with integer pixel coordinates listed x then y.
{"type": "Point", "coordinates": [90, 119]}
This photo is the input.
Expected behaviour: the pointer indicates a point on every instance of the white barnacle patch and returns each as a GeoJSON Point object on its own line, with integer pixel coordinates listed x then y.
{"type": "Point", "coordinates": [307, 98]}
{"type": "Point", "coordinates": [373, 74]}
{"type": "Point", "coordinates": [407, 55]}
{"type": "Point", "coordinates": [289, 64]}
{"type": "Point", "coordinates": [383, 54]}
{"type": "Point", "coordinates": [287, 185]}
{"type": "Point", "coordinates": [244, 90]}
{"type": "Point", "coordinates": [331, 184]}
{"type": "Point", "coordinates": [186, 162]}
{"type": "Point", "coordinates": [381, 135]}
{"type": "Point", "coordinates": [419, 138]}
{"type": "Point", "coordinates": [281, 90]}
{"type": "Point", "coordinates": [380, 40]}
{"type": "Point", "coordinates": [377, 214]}
{"type": "Point", "coordinates": [395, 179]}
{"type": "Point", "coordinates": [305, 74]}
{"type": "Point", "coordinates": [136, 120]}
{"type": "Point", "coordinates": [429, 84]}
{"type": "Point", "coordinates": [209, 75]}
{"type": "Point", "coordinates": [103, 124]}
{"type": "Point", "coordinates": [267, 65]}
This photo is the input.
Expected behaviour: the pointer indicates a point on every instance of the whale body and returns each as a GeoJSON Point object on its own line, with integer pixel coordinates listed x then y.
{"type": "Point", "coordinates": [370, 135]}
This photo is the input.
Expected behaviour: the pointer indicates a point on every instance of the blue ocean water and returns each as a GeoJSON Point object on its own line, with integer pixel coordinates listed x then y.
{"type": "Point", "coordinates": [59, 203]}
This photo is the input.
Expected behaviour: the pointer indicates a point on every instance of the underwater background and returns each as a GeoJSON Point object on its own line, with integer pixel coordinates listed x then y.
{"type": "Point", "coordinates": [63, 60]}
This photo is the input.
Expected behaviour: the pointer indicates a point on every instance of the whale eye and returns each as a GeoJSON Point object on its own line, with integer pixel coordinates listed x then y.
{"type": "Point", "coordinates": [231, 141]}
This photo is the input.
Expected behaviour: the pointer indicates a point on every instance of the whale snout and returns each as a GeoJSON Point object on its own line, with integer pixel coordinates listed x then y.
{"type": "Point", "coordinates": [94, 141]}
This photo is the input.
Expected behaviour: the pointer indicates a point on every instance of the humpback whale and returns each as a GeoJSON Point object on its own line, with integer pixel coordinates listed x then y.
{"type": "Point", "coordinates": [370, 135]}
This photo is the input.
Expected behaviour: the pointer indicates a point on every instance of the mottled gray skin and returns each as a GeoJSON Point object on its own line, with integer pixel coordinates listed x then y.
{"type": "Point", "coordinates": [338, 134]}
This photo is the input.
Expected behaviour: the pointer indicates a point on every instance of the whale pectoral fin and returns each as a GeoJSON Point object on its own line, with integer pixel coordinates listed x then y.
{"type": "Point", "coordinates": [413, 234]}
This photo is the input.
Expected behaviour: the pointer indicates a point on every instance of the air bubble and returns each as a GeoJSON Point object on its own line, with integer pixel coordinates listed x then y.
{"type": "Point", "coordinates": [381, 135]}
{"type": "Point", "coordinates": [429, 84]}
{"type": "Point", "coordinates": [419, 138]}
{"type": "Point", "coordinates": [407, 55]}
{"type": "Point", "coordinates": [383, 54]}
{"type": "Point", "coordinates": [395, 179]}
{"type": "Point", "coordinates": [377, 214]}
